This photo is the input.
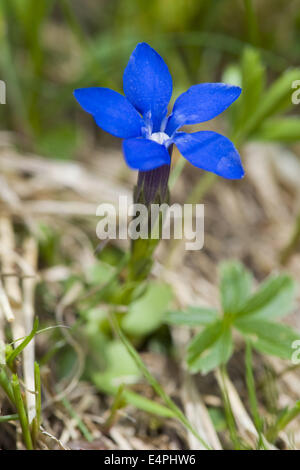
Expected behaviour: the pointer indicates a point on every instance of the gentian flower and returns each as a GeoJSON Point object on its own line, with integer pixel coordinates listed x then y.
{"type": "Point", "coordinates": [140, 117]}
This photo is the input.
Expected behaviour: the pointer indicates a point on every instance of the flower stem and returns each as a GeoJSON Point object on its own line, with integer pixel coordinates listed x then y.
{"type": "Point", "coordinates": [7, 418]}
{"type": "Point", "coordinates": [152, 188]}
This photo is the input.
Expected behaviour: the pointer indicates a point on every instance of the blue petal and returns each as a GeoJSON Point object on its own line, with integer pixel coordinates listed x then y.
{"type": "Point", "coordinates": [201, 103]}
{"type": "Point", "coordinates": [112, 111]}
{"type": "Point", "coordinates": [147, 84]}
{"type": "Point", "coordinates": [211, 152]}
{"type": "Point", "coordinates": [144, 154]}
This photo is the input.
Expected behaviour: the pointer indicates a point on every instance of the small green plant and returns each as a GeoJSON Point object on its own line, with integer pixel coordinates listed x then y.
{"type": "Point", "coordinates": [250, 314]}
{"type": "Point", "coordinates": [12, 386]}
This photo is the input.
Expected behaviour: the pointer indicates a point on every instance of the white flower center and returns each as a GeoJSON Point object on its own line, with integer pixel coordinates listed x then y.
{"type": "Point", "coordinates": [159, 137]}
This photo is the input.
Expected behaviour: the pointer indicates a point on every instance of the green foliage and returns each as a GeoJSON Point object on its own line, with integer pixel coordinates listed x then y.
{"type": "Point", "coordinates": [170, 404]}
{"type": "Point", "coordinates": [284, 418]}
{"type": "Point", "coordinates": [147, 313]}
{"type": "Point", "coordinates": [11, 385]}
{"type": "Point", "coordinates": [196, 37]}
{"type": "Point", "coordinates": [210, 348]}
{"type": "Point", "coordinates": [120, 367]}
{"type": "Point", "coordinates": [250, 314]}
{"type": "Point", "coordinates": [280, 129]}
{"type": "Point", "coordinates": [256, 111]}
{"type": "Point", "coordinates": [268, 337]}
{"type": "Point", "coordinates": [193, 316]}
{"type": "Point", "coordinates": [15, 352]}
{"type": "Point", "coordinates": [60, 142]}
{"type": "Point", "coordinates": [253, 78]}
{"type": "Point", "coordinates": [274, 299]}
{"type": "Point", "coordinates": [235, 286]}
{"type": "Point", "coordinates": [251, 389]}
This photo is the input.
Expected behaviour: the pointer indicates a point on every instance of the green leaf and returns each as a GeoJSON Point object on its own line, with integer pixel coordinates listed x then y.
{"type": "Point", "coordinates": [121, 368]}
{"type": "Point", "coordinates": [203, 341]}
{"type": "Point", "coordinates": [285, 129]}
{"type": "Point", "coordinates": [253, 83]}
{"type": "Point", "coordinates": [283, 419]}
{"type": "Point", "coordinates": [193, 316]}
{"type": "Point", "coordinates": [279, 96]}
{"type": "Point", "coordinates": [252, 390]}
{"type": "Point", "coordinates": [155, 384]}
{"type": "Point", "coordinates": [216, 354]}
{"type": "Point", "coordinates": [14, 354]}
{"type": "Point", "coordinates": [147, 313]}
{"type": "Point", "coordinates": [232, 75]}
{"type": "Point", "coordinates": [268, 337]}
{"type": "Point", "coordinates": [277, 99]}
{"type": "Point", "coordinates": [98, 273]}
{"type": "Point", "coordinates": [274, 299]}
{"type": "Point", "coordinates": [133, 398]}
{"type": "Point", "coordinates": [235, 286]}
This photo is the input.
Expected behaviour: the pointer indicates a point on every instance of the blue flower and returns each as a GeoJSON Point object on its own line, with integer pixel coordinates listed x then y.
{"type": "Point", "coordinates": [140, 117]}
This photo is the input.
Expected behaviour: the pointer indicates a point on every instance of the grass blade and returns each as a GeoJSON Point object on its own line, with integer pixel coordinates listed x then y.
{"type": "Point", "coordinates": [19, 349]}
{"type": "Point", "coordinates": [155, 385]}
{"type": "Point", "coordinates": [21, 412]}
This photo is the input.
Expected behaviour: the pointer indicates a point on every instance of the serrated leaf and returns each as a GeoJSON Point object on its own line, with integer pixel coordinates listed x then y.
{"type": "Point", "coordinates": [235, 286]}
{"type": "Point", "coordinates": [274, 299]}
{"type": "Point", "coordinates": [268, 337]}
{"type": "Point", "coordinates": [193, 316]}
{"type": "Point", "coordinates": [147, 313]}
{"type": "Point", "coordinates": [218, 353]}
{"type": "Point", "coordinates": [285, 129]}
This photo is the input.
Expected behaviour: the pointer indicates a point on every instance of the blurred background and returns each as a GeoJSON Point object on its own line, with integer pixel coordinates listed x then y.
{"type": "Point", "coordinates": [57, 166]}
{"type": "Point", "coordinates": [50, 47]}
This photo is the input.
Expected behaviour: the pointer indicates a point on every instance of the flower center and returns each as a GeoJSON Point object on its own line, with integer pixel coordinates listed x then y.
{"type": "Point", "coordinates": [160, 138]}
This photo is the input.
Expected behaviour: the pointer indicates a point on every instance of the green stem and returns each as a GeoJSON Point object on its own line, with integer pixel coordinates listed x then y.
{"type": "Point", "coordinates": [38, 405]}
{"type": "Point", "coordinates": [283, 421]}
{"type": "Point", "coordinates": [6, 418]}
{"type": "Point", "coordinates": [252, 25]}
{"type": "Point", "coordinates": [228, 410]}
{"type": "Point", "coordinates": [21, 412]}
{"type": "Point", "coordinates": [37, 381]}
{"type": "Point", "coordinates": [117, 404]}
{"type": "Point", "coordinates": [151, 190]}
{"type": "Point", "coordinates": [80, 424]}
{"type": "Point", "coordinates": [19, 349]}
{"type": "Point", "coordinates": [6, 385]}
{"type": "Point", "coordinates": [252, 393]}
